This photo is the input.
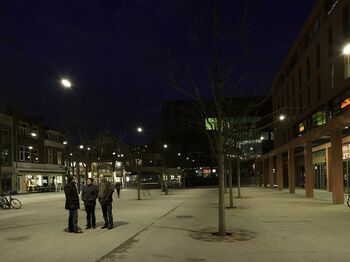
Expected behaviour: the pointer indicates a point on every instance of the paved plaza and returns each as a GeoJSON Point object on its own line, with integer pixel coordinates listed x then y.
{"type": "Point", "coordinates": [266, 225]}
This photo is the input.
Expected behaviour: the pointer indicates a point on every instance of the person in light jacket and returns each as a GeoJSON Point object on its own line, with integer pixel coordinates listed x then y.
{"type": "Point", "coordinates": [105, 196]}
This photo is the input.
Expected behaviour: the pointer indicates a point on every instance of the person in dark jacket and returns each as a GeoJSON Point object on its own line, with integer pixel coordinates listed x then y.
{"type": "Point", "coordinates": [105, 196]}
{"type": "Point", "coordinates": [118, 186]}
{"type": "Point", "coordinates": [89, 195]}
{"type": "Point", "coordinates": [72, 204]}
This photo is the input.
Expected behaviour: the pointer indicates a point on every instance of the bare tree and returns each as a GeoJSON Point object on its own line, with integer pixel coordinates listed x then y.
{"type": "Point", "coordinates": [221, 47]}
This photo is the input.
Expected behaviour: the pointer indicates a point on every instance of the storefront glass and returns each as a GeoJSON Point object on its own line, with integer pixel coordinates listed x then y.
{"type": "Point", "coordinates": [42, 183]}
{"type": "Point", "coordinates": [346, 167]}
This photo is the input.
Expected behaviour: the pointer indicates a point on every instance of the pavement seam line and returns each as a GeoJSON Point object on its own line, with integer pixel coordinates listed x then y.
{"type": "Point", "coordinates": [131, 239]}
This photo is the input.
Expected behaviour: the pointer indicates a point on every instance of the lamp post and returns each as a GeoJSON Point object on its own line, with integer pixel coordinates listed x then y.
{"type": "Point", "coordinates": [138, 163]}
{"type": "Point", "coordinates": [166, 189]}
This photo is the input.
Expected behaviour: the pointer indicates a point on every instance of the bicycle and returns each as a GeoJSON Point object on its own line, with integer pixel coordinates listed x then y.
{"type": "Point", "coordinates": [9, 202]}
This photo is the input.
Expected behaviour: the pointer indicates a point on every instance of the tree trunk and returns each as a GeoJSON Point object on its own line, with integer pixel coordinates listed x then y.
{"type": "Point", "coordinates": [225, 181]}
{"type": "Point", "coordinates": [78, 176]}
{"type": "Point", "coordinates": [138, 184]}
{"type": "Point", "coordinates": [86, 170]}
{"type": "Point", "coordinates": [222, 223]}
{"type": "Point", "coordinates": [161, 181]}
{"type": "Point", "coordinates": [1, 178]}
{"type": "Point", "coordinates": [183, 180]}
{"type": "Point", "coordinates": [239, 177]}
{"type": "Point", "coordinates": [230, 182]}
{"type": "Point", "coordinates": [166, 183]}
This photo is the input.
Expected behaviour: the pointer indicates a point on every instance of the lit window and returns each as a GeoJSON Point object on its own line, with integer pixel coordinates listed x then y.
{"type": "Point", "coordinates": [59, 158]}
{"type": "Point", "coordinates": [318, 119]}
{"type": "Point", "coordinates": [24, 154]}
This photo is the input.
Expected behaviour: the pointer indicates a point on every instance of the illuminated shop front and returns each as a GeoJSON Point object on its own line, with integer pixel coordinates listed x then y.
{"type": "Point", "coordinates": [346, 167]}
{"type": "Point", "coordinates": [42, 183]}
{"type": "Point", "coordinates": [28, 182]}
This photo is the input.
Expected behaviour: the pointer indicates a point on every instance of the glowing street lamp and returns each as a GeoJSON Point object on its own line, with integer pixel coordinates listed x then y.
{"type": "Point", "coordinates": [346, 53]}
{"type": "Point", "coordinates": [346, 49]}
{"type": "Point", "coordinates": [282, 117]}
{"type": "Point", "coordinates": [81, 147]}
{"type": "Point", "coordinates": [165, 146]}
{"type": "Point", "coordinates": [65, 142]}
{"type": "Point", "coordinates": [139, 130]}
{"type": "Point", "coordinates": [66, 83]}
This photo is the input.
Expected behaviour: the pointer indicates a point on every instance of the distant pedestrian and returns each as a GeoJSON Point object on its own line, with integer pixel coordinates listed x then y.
{"type": "Point", "coordinates": [89, 195]}
{"type": "Point", "coordinates": [105, 196]}
{"type": "Point", "coordinates": [72, 204]}
{"type": "Point", "coordinates": [118, 186]}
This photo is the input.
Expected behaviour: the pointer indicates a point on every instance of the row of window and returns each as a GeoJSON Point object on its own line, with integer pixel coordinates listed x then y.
{"type": "Point", "coordinates": [31, 154]}
{"type": "Point", "coordinates": [24, 130]}
{"type": "Point", "coordinates": [54, 137]}
{"type": "Point", "coordinates": [335, 107]}
{"type": "Point", "coordinates": [309, 36]}
{"type": "Point", "coordinates": [283, 97]}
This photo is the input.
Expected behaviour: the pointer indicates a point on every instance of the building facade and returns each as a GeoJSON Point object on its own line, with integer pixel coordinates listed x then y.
{"type": "Point", "coordinates": [32, 156]}
{"type": "Point", "coordinates": [312, 91]}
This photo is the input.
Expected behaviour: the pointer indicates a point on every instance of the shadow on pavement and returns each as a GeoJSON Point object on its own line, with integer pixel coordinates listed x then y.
{"type": "Point", "coordinates": [100, 224]}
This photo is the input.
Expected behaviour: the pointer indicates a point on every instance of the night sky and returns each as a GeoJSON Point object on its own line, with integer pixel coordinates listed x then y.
{"type": "Point", "coordinates": [113, 52]}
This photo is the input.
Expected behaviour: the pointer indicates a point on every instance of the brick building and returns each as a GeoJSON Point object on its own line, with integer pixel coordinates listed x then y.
{"type": "Point", "coordinates": [32, 155]}
{"type": "Point", "coordinates": [312, 90]}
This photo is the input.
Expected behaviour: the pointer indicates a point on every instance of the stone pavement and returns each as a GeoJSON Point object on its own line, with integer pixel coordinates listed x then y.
{"type": "Point", "coordinates": [266, 225]}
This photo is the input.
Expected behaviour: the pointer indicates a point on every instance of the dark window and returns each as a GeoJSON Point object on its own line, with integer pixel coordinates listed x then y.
{"type": "Point", "coordinates": [346, 21]}
{"type": "Point", "coordinates": [293, 87]}
{"type": "Point", "coordinates": [318, 56]}
{"type": "Point", "coordinates": [308, 95]}
{"type": "Point", "coordinates": [5, 157]}
{"type": "Point", "coordinates": [300, 103]}
{"type": "Point", "coordinates": [308, 69]}
{"type": "Point", "coordinates": [319, 88]}
{"type": "Point", "coordinates": [294, 106]}
{"type": "Point", "coordinates": [332, 76]}
{"type": "Point", "coordinates": [330, 41]}
{"type": "Point", "coordinates": [300, 79]}
{"type": "Point", "coordinates": [334, 106]}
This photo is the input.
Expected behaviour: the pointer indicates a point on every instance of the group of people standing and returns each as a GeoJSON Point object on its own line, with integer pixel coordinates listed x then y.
{"type": "Point", "coordinates": [90, 192]}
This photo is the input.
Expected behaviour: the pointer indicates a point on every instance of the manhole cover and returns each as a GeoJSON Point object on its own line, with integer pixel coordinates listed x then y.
{"type": "Point", "coordinates": [232, 235]}
{"type": "Point", "coordinates": [184, 217]}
